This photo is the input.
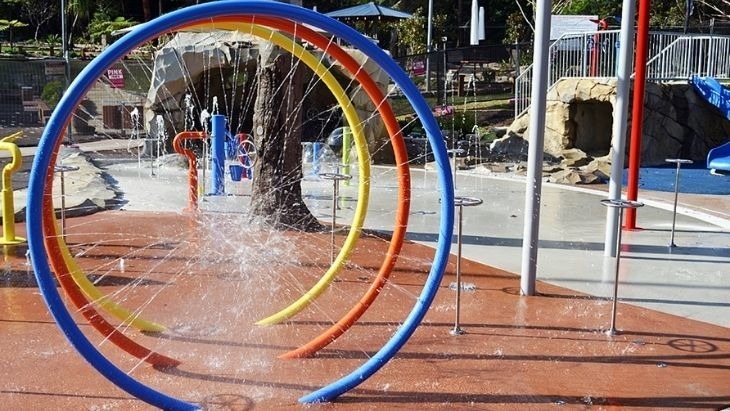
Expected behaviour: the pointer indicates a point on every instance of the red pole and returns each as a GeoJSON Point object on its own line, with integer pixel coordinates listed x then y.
{"type": "Point", "coordinates": [595, 50]}
{"type": "Point", "coordinates": [637, 112]}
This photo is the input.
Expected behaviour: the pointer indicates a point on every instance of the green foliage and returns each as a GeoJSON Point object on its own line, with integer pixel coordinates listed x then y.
{"type": "Point", "coordinates": [103, 24]}
{"type": "Point", "coordinates": [667, 14]}
{"type": "Point", "coordinates": [9, 25]}
{"type": "Point", "coordinates": [52, 93]}
{"type": "Point", "coordinates": [53, 38]}
{"type": "Point", "coordinates": [36, 12]}
{"type": "Point", "coordinates": [461, 122]}
{"type": "Point", "coordinates": [412, 32]}
{"type": "Point", "coordinates": [517, 30]}
{"type": "Point", "coordinates": [600, 8]}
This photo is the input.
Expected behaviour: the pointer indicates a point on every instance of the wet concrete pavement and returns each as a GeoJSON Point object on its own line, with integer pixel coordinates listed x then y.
{"type": "Point", "coordinates": [203, 278]}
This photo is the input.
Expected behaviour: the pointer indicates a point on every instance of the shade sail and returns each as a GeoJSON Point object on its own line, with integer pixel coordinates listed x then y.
{"type": "Point", "coordinates": [369, 11]}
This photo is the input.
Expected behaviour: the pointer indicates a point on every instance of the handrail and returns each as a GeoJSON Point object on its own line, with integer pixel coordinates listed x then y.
{"type": "Point", "coordinates": [576, 55]}
{"type": "Point", "coordinates": [701, 55]}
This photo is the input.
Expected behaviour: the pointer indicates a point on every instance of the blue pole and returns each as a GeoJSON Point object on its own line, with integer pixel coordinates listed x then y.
{"type": "Point", "coordinates": [218, 154]}
{"type": "Point", "coordinates": [316, 148]}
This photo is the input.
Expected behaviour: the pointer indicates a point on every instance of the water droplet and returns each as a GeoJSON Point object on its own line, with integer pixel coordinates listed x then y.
{"type": "Point", "coordinates": [662, 364]}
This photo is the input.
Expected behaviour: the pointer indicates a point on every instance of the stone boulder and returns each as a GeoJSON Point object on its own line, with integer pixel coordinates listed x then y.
{"type": "Point", "coordinates": [579, 115]}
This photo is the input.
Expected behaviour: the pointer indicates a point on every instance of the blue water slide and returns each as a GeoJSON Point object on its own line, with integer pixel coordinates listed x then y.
{"type": "Point", "coordinates": [711, 90]}
{"type": "Point", "coordinates": [718, 159]}
{"type": "Point", "coordinates": [714, 93]}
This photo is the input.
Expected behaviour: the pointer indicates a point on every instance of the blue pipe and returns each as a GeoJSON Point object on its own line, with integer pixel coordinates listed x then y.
{"type": "Point", "coordinates": [200, 13]}
{"type": "Point", "coordinates": [316, 154]}
{"type": "Point", "coordinates": [218, 155]}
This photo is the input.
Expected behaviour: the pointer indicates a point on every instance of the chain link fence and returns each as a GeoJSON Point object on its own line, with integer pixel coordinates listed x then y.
{"type": "Point", "coordinates": [464, 70]}
{"type": "Point", "coordinates": [31, 88]}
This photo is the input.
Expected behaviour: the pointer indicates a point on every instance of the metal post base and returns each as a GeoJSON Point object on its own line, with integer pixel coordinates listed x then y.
{"type": "Point", "coordinates": [457, 331]}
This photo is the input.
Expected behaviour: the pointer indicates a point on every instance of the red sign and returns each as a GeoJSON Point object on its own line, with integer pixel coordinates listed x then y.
{"type": "Point", "coordinates": [116, 77]}
{"type": "Point", "coordinates": [418, 68]}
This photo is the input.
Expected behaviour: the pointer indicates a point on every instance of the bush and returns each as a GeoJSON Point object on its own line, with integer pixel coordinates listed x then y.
{"type": "Point", "coordinates": [52, 93]}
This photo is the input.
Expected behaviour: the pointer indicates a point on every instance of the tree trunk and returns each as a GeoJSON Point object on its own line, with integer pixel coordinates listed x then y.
{"type": "Point", "coordinates": [277, 193]}
{"type": "Point", "coordinates": [146, 12]}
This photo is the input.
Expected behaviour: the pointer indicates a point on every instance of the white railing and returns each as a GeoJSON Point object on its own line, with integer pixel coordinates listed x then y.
{"type": "Point", "coordinates": [691, 55]}
{"type": "Point", "coordinates": [596, 55]}
{"type": "Point", "coordinates": [590, 54]}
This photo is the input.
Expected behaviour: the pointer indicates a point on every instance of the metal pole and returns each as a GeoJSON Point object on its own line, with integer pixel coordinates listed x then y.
{"type": "Point", "coordinates": [612, 330]}
{"type": "Point", "coordinates": [63, 203]}
{"type": "Point", "coordinates": [62, 169]}
{"type": "Point", "coordinates": [535, 153]}
{"type": "Point", "coordinates": [429, 37]}
{"type": "Point", "coordinates": [457, 326]}
{"type": "Point", "coordinates": [335, 177]}
{"type": "Point", "coordinates": [674, 210]}
{"type": "Point", "coordinates": [446, 71]}
{"type": "Point", "coordinates": [460, 202]}
{"type": "Point", "coordinates": [66, 60]}
{"type": "Point", "coordinates": [679, 163]}
{"type": "Point", "coordinates": [335, 194]}
{"type": "Point", "coordinates": [620, 204]}
{"type": "Point", "coordinates": [620, 117]}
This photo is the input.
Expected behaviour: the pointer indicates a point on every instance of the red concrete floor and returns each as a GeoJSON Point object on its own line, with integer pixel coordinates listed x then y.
{"type": "Point", "coordinates": [209, 281]}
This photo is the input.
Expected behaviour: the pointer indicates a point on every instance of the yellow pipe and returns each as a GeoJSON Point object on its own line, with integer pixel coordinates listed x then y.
{"type": "Point", "coordinates": [353, 119]}
{"type": "Point", "coordinates": [8, 209]}
{"type": "Point", "coordinates": [96, 296]}
{"type": "Point", "coordinates": [92, 292]}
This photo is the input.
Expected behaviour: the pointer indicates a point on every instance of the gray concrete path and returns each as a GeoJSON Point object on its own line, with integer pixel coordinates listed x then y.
{"type": "Point", "coordinates": [691, 280]}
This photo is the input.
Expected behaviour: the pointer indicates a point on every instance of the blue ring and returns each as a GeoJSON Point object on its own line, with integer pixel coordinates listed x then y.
{"type": "Point", "coordinates": [62, 114]}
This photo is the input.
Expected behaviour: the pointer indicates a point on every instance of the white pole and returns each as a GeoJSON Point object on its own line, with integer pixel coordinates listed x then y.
{"type": "Point", "coordinates": [481, 30]}
{"type": "Point", "coordinates": [66, 61]}
{"type": "Point", "coordinates": [429, 38]}
{"type": "Point", "coordinates": [536, 145]}
{"type": "Point", "coordinates": [620, 116]}
{"type": "Point", "coordinates": [474, 30]}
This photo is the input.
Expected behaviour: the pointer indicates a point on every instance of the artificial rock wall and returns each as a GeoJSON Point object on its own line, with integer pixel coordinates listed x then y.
{"type": "Point", "coordinates": [678, 123]}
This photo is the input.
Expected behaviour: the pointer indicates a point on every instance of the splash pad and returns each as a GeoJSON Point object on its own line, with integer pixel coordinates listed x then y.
{"type": "Point", "coordinates": [201, 15]}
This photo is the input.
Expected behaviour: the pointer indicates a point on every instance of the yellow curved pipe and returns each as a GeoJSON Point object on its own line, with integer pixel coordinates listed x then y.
{"type": "Point", "coordinates": [92, 292]}
{"type": "Point", "coordinates": [363, 158]}
{"type": "Point", "coordinates": [96, 296]}
{"type": "Point", "coordinates": [8, 207]}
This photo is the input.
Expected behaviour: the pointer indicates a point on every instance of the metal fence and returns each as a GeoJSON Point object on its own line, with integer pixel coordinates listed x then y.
{"type": "Point", "coordinates": [673, 56]}
{"type": "Point", "coordinates": [455, 69]}
{"type": "Point", "coordinates": [691, 55]}
{"type": "Point", "coordinates": [30, 88]}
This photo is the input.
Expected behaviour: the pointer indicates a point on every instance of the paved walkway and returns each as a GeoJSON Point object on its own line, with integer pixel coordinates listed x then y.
{"type": "Point", "coordinates": [689, 280]}
{"type": "Point", "coordinates": [517, 353]}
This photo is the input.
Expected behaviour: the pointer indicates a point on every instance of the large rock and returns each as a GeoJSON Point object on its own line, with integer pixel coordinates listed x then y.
{"type": "Point", "coordinates": [87, 189]}
{"type": "Point", "coordinates": [374, 129]}
{"type": "Point", "coordinates": [579, 115]}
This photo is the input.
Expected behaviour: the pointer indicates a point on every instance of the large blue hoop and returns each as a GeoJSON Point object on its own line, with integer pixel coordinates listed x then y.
{"type": "Point", "coordinates": [63, 112]}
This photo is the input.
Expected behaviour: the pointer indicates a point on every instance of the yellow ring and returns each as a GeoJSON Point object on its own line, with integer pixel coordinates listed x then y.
{"type": "Point", "coordinates": [348, 109]}
{"type": "Point", "coordinates": [96, 296]}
